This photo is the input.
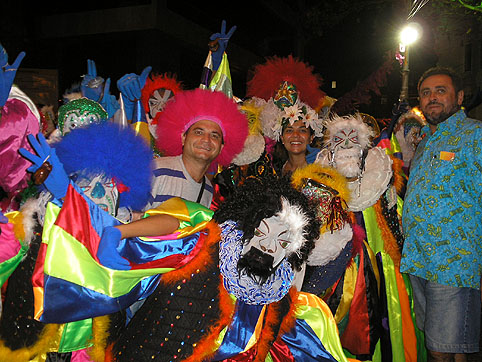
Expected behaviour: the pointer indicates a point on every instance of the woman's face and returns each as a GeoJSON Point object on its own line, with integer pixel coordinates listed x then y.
{"type": "Point", "coordinates": [296, 137]}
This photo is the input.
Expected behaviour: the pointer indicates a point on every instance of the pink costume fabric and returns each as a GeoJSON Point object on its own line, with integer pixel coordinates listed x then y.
{"type": "Point", "coordinates": [16, 122]}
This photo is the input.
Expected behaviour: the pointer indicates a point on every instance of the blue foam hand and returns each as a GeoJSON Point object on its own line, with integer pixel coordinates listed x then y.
{"type": "Point", "coordinates": [3, 218]}
{"type": "Point", "coordinates": [312, 153]}
{"type": "Point", "coordinates": [57, 181]}
{"type": "Point", "coordinates": [7, 74]}
{"type": "Point", "coordinates": [111, 235]}
{"type": "Point", "coordinates": [130, 86]}
{"type": "Point", "coordinates": [223, 40]}
{"type": "Point", "coordinates": [108, 101]}
{"type": "Point", "coordinates": [91, 85]}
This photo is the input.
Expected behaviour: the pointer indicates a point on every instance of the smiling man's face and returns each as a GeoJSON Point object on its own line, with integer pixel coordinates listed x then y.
{"type": "Point", "coordinates": [203, 141]}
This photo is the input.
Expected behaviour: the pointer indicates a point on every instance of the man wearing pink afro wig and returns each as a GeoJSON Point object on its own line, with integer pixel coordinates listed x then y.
{"type": "Point", "coordinates": [197, 131]}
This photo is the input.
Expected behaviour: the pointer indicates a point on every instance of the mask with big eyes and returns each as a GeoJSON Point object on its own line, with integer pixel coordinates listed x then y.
{"type": "Point", "coordinates": [266, 249]}
{"type": "Point", "coordinates": [101, 190]}
{"type": "Point", "coordinates": [158, 100]}
{"type": "Point", "coordinates": [76, 119]}
{"type": "Point", "coordinates": [345, 138]}
{"type": "Point", "coordinates": [80, 113]}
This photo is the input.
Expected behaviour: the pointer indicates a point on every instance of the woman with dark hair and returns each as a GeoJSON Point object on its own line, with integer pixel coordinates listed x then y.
{"type": "Point", "coordinates": [289, 93]}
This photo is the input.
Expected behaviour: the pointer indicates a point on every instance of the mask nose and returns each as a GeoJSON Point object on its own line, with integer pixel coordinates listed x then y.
{"type": "Point", "coordinates": [268, 245]}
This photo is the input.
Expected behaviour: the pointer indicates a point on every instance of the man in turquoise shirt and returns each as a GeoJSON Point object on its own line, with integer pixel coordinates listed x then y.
{"type": "Point", "coordinates": [442, 221]}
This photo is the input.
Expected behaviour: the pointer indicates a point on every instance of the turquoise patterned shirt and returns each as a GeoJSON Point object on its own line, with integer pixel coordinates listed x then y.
{"type": "Point", "coordinates": [442, 210]}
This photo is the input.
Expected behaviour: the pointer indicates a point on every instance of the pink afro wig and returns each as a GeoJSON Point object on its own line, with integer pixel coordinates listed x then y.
{"type": "Point", "coordinates": [268, 77]}
{"type": "Point", "coordinates": [190, 106]}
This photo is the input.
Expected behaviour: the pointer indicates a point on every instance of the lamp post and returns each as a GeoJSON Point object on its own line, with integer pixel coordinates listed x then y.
{"type": "Point", "coordinates": [408, 35]}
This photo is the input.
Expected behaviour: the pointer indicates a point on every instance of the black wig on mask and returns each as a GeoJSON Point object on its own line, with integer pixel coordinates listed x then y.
{"type": "Point", "coordinates": [260, 198]}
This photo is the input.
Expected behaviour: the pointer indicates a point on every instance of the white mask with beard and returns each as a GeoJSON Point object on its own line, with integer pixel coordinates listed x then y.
{"type": "Point", "coordinates": [346, 153]}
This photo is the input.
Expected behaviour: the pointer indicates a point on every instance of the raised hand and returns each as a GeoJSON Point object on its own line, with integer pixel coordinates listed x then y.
{"type": "Point", "coordinates": [222, 42]}
{"type": "Point", "coordinates": [91, 85]}
{"type": "Point", "coordinates": [108, 101]}
{"type": "Point", "coordinates": [46, 167]}
{"type": "Point", "coordinates": [7, 73]}
{"type": "Point", "coordinates": [130, 86]}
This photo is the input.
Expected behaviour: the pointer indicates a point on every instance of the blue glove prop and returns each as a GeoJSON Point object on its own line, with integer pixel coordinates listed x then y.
{"type": "Point", "coordinates": [111, 239]}
{"type": "Point", "coordinates": [3, 218]}
{"type": "Point", "coordinates": [48, 165]}
{"type": "Point", "coordinates": [7, 74]}
{"type": "Point", "coordinates": [130, 86]}
{"type": "Point", "coordinates": [222, 40]}
{"type": "Point", "coordinates": [312, 153]}
{"type": "Point", "coordinates": [91, 85]}
{"type": "Point", "coordinates": [108, 101]}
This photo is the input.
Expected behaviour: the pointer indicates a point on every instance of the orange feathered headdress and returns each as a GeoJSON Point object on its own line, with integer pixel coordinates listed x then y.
{"type": "Point", "coordinates": [161, 81]}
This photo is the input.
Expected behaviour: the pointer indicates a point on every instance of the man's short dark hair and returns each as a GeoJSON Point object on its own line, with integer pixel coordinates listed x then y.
{"type": "Point", "coordinates": [456, 79]}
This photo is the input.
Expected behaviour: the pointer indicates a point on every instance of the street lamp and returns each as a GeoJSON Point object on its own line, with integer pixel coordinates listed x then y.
{"type": "Point", "coordinates": [408, 35]}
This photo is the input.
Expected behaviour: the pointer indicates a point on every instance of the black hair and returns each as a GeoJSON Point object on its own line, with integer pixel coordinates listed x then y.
{"type": "Point", "coordinates": [456, 79]}
{"type": "Point", "coordinates": [260, 198]}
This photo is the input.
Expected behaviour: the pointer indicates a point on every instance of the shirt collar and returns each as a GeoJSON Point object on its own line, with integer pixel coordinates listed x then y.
{"type": "Point", "coordinates": [447, 124]}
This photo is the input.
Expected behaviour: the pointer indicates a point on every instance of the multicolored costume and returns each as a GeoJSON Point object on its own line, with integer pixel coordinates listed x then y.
{"type": "Point", "coordinates": [123, 161]}
{"type": "Point", "coordinates": [375, 180]}
{"type": "Point", "coordinates": [203, 306]}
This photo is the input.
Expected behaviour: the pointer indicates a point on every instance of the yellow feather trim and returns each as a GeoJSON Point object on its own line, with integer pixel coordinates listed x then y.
{"type": "Point", "coordinates": [100, 326]}
{"type": "Point", "coordinates": [48, 339]}
{"type": "Point", "coordinates": [328, 176]}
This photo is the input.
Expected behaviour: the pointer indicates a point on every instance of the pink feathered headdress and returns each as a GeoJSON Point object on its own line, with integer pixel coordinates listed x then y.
{"type": "Point", "coordinates": [269, 76]}
{"type": "Point", "coordinates": [190, 106]}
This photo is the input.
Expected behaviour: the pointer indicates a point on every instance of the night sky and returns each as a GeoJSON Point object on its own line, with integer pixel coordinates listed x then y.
{"type": "Point", "coordinates": [345, 41]}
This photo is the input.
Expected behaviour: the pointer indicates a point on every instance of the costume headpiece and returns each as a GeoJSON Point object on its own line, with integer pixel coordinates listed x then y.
{"type": "Point", "coordinates": [291, 91]}
{"type": "Point", "coordinates": [327, 190]}
{"type": "Point", "coordinates": [189, 107]}
{"type": "Point", "coordinates": [293, 216]}
{"type": "Point", "coordinates": [79, 113]}
{"type": "Point", "coordinates": [114, 151]}
{"type": "Point", "coordinates": [255, 144]}
{"type": "Point", "coordinates": [338, 123]}
{"type": "Point", "coordinates": [414, 117]}
{"type": "Point", "coordinates": [260, 198]}
{"type": "Point", "coordinates": [162, 81]}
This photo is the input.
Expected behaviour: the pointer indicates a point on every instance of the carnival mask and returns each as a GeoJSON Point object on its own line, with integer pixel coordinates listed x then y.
{"type": "Point", "coordinates": [78, 113]}
{"type": "Point", "coordinates": [266, 249]}
{"type": "Point", "coordinates": [158, 100]}
{"type": "Point", "coordinates": [101, 190]}
{"type": "Point", "coordinates": [346, 152]}
{"type": "Point", "coordinates": [329, 206]}
{"type": "Point", "coordinates": [286, 96]}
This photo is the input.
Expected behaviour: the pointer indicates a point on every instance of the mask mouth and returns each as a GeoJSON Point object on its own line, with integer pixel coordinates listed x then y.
{"type": "Point", "coordinates": [256, 264]}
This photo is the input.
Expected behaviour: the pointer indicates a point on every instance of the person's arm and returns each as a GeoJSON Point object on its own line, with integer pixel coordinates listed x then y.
{"type": "Point", "coordinates": [155, 225]}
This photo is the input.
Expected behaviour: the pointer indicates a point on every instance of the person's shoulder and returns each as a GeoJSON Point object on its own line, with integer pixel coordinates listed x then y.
{"type": "Point", "coordinates": [167, 162]}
